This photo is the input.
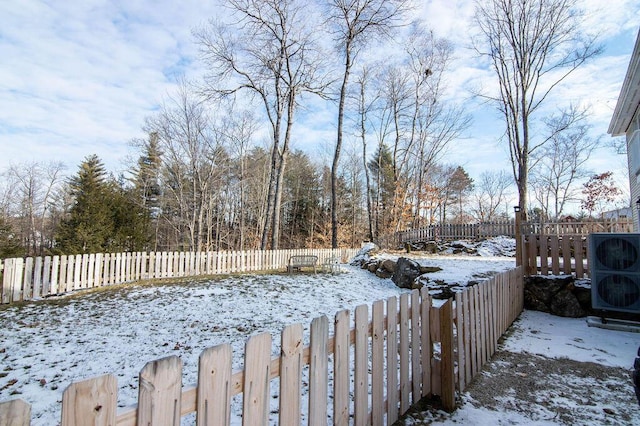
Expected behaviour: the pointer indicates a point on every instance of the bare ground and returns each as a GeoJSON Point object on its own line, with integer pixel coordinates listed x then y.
{"type": "Point", "coordinates": [554, 391]}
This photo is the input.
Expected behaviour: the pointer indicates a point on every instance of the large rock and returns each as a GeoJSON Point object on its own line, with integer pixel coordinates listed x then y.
{"type": "Point", "coordinates": [406, 272]}
{"type": "Point", "coordinates": [554, 295]}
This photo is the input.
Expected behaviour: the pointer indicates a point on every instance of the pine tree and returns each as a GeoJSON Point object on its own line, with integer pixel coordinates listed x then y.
{"type": "Point", "coordinates": [9, 242]}
{"type": "Point", "coordinates": [104, 217]}
{"type": "Point", "coordinates": [89, 224]}
{"type": "Point", "coordinates": [382, 175]}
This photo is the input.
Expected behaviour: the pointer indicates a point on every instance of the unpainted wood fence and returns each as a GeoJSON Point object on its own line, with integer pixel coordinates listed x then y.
{"type": "Point", "coordinates": [621, 225]}
{"type": "Point", "coordinates": [478, 231]}
{"type": "Point", "coordinates": [555, 254]}
{"type": "Point", "coordinates": [452, 231]}
{"type": "Point", "coordinates": [36, 277]}
{"type": "Point", "coordinates": [406, 351]}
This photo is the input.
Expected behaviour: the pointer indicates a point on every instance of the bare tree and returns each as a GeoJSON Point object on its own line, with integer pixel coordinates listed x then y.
{"type": "Point", "coordinates": [35, 185]}
{"type": "Point", "coordinates": [270, 51]}
{"type": "Point", "coordinates": [532, 45]}
{"type": "Point", "coordinates": [364, 107]}
{"type": "Point", "coordinates": [560, 162]}
{"type": "Point", "coordinates": [191, 159]}
{"type": "Point", "coordinates": [354, 23]}
{"type": "Point", "coordinates": [492, 190]}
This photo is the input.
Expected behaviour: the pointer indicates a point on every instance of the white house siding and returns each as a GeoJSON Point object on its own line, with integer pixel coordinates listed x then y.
{"type": "Point", "coordinates": [633, 158]}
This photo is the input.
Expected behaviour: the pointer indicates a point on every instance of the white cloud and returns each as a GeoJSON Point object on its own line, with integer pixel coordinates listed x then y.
{"type": "Point", "coordinates": [79, 78]}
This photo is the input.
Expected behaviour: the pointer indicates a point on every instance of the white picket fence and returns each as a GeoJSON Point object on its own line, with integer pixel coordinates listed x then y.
{"type": "Point", "coordinates": [36, 277]}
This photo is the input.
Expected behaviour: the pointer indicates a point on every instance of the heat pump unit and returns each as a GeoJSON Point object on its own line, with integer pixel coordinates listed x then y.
{"type": "Point", "coordinates": [614, 262]}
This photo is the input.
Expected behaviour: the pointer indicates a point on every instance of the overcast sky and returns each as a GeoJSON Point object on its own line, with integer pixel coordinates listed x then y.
{"type": "Point", "coordinates": [78, 77]}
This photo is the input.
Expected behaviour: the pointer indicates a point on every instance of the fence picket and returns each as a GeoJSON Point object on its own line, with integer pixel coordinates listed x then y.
{"type": "Point", "coordinates": [416, 373]}
{"type": "Point", "coordinates": [160, 392]}
{"type": "Point", "coordinates": [425, 340]}
{"type": "Point", "coordinates": [475, 323]}
{"type": "Point", "coordinates": [27, 281]}
{"type": "Point", "coordinates": [37, 277]}
{"type": "Point", "coordinates": [405, 389]}
{"type": "Point", "coordinates": [15, 412]}
{"type": "Point", "coordinates": [16, 280]}
{"type": "Point", "coordinates": [46, 276]}
{"type": "Point", "coordinates": [361, 368]}
{"type": "Point", "coordinates": [392, 360]}
{"type": "Point", "coordinates": [341, 369]}
{"type": "Point", "coordinates": [318, 371]}
{"type": "Point", "coordinates": [290, 375]}
{"type": "Point", "coordinates": [544, 255]}
{"type": "Point", "coordinates": [578, 255]}
{"type": "Point", "coordinates": [55, 272]}
{"type": "Point", "coordinates": [459, 321]}
{"type": "Point", "coordinates": [377, 363]}
{"type": "Point", "coordinates": [214, 387]}
{"type": "Point", "coordinates": [447, 384]}
{"type": "Point", "coordinates": [6, 280]}
{"type": "Point", "coordinates": [255, 398]}
{"type": "Point", "coordinates": [92, 401]}
{"type": "Point", "coordinates": [90, 270]}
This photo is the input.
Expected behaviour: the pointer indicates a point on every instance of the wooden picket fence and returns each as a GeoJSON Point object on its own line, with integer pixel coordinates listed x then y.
{"type": "Point", "coordinates": [478, 231]}
{"type": "Point", "coordinates": [618, 225]}
{"type": "Point", "coordinates": [36, 277]}
{"type": "Point", "coordinates": [405, 352]}
{"type": "Point", "coordinates": [555, 254]}
{"type": "Point", "coordinates": [454, 231]}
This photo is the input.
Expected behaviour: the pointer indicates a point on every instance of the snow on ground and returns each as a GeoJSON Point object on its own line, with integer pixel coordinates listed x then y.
{"type": "Point", "coordinates": [48, 344]}
{"type": "Point", "coordinates": [551, 371]}
{"type": "Point", "coordinates": [555, 337]}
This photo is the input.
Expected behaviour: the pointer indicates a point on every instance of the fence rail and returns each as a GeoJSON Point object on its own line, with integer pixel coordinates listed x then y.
{"type": "Point", "coordinates": [35, 277]}
{"type": "Point", "coordinates": [396, 361]}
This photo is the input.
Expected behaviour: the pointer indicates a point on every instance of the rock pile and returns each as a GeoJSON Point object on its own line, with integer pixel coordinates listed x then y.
{"type": "Point", "coordinates": [402, 272]}
{"type": "Point", "coordinates": [558, 295]}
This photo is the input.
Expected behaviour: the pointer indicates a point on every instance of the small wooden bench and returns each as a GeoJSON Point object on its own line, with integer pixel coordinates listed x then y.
{"type": "Point", "coordinates": [296, 263]}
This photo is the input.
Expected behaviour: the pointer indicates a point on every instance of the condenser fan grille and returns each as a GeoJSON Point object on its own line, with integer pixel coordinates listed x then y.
{"type": "Point", "coordinates": [616, 254]}
{"type": "Point", "coordinates": [618, 291]}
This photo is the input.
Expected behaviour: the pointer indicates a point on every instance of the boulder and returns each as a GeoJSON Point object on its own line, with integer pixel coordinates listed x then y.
{"type": "Point", "coordinates": [388, 265]}
{"type": "Point", "coordinates": [429, 269]}
{"type": "Point", "coordinates": [382, 273]}
{"type": "Point", "coordinates": [405, 273]}
{"type": "Point", "coordinates": [554, 295]}
{"type": "Point", "coordinates": [431, 247]}
{"type": "Point", "coordinates": [565, 304]}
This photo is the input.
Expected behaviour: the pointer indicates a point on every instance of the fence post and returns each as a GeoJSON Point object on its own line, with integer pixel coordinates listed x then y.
{"type": "Point", "coordinates": [518, 232]}
{"type": "Point", "coordinates": [448, 380]}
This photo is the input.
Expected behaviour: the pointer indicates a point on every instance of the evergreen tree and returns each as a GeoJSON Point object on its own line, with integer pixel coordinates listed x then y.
{"type": "Point", "coordinates": [103, 217]}
{"type": "Point", "coordinates": [383, 188]}
{"type": "Point", "coordinates": [9, 242]}
{"type": "Point", "coordinates": [89, 224]}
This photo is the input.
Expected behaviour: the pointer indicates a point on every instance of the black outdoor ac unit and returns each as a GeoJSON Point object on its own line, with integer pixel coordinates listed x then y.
{"type": "Point", "coordinates": [614, 262]}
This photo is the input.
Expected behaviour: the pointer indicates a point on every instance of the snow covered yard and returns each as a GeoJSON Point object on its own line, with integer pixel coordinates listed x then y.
{"type": "Point", "coordinates": [48, 344]}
